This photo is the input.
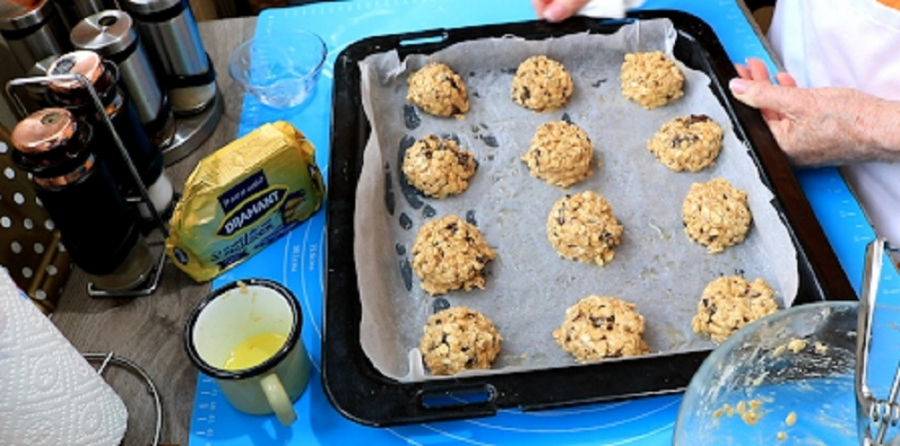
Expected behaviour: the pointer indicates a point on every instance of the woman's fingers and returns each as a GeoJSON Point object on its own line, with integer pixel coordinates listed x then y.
{"type": "Point", "coordinates": [540, 6]}
{"type": "Point", "coordinates": [758, 69]}
{"type": "Point", "coordinates": [557, 10]}
{"type": "Point", "coordinates": [785, 80]}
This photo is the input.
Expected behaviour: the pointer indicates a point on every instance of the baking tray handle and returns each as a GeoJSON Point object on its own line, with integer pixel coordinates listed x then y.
{"type": "Point", "coordinates": [476, 397]}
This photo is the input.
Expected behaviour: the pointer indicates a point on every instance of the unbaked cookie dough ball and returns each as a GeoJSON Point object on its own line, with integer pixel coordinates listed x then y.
{"type": "Point", "coordinates": [458, 339]}
{"type": "Point", "coordinates": [716, 214]}
{"type": "Point", "coordinates": [651, 79]}
{"type": "Point", "coordinates": [437, 90]}
{"type": "Point", "coordinates": [599, 327]}
{"type": "Point", "coordinates": [687, 143]}
{"type": "Point", "coordinates": [542, 84]}
{"type": "Point", "coordinates": [731, 302]}
{"type": "Point", "coordinates": [438, 167]}
{"type": "Point", "coordinates": [582, 227]}
{"type": "Point", "coordinates": [450, 254]}
{"type": "Point", "coordinates": [560, 154]}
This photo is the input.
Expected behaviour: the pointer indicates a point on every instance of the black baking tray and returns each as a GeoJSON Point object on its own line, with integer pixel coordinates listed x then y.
{"type": "Point", "coordinates": [360, 392]}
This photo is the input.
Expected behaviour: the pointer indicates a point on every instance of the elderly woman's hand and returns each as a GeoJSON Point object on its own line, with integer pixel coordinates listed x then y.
{"type": "Point", "coordinates": [556, 10]}
{"type": "Point", "coordinates": [819, 126]}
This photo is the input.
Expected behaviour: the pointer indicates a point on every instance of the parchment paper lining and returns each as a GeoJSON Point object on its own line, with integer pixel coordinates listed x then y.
{"type": "Point", "coordinates": [529, 286]}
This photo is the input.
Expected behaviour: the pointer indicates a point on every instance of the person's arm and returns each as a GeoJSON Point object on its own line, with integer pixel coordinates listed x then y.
{"type": "Point", "coordinates": [557, 10]}
{"type": "Point", "coordinates": [821, 126]}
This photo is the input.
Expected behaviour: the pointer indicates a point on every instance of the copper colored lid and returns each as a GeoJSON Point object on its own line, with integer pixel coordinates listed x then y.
{"type": "Point", "coordinates": [43, 131]}
{"type": "Point", "coordinates": [86, 63]}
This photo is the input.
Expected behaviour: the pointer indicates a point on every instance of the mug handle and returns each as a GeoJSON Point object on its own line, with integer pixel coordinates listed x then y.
{"type": "Point", "coordinates": [278, 399]}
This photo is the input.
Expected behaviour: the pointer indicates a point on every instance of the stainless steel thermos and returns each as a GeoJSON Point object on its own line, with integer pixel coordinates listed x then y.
{"type": "Point", "coordinates": [112, 35]}
{"type": "Point", "coordinates": [75, 10]}
{"type": "Point", "coordinates": [33, 33]}
{"type": "Point", "coordinates": [98, 227]}
{"type": "Point", "coordinates": [172, 39]}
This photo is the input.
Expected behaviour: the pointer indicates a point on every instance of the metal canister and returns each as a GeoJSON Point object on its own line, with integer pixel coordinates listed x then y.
{"type": "Point", "coordinates": [33, 31]}
{"type": "Point", "coordinates": [112, 35]}
{"type": "Point", "coordinates": [74, 96]}
{"type": "Point", "coordinates": [75, 10]}
{"type": "Point", "coordinates": [172, 39]}
{"type": "Point", "coordinates": [98, 227]}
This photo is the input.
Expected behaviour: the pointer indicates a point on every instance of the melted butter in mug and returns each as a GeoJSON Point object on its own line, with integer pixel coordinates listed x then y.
{"type": "Point", "coordinates": [254, 351]}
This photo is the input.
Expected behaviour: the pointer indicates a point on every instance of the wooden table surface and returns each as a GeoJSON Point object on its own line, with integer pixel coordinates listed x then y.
{"type": "Point", "coordinates": [148, 330]}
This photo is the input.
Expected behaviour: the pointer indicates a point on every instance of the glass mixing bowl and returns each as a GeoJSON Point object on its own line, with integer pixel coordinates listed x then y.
{"type": "Point", "coordinates": [280, 70]}
{"type": "Point", "coordinates": [748, 388]}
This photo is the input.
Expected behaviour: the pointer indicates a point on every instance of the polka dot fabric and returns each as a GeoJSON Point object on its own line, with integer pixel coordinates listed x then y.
{"type": "Point", "coordinates": [29, 244]}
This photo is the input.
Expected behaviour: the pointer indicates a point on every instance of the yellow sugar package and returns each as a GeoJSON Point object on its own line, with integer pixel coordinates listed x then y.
{"type": "Point", "coordinates": [243, 197]}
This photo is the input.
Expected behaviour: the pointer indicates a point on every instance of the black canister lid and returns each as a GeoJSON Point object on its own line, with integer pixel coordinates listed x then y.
{"type": "Point", "coordinates": [106, 32]}
{"type": "Point", "coordinates": [24, 14]}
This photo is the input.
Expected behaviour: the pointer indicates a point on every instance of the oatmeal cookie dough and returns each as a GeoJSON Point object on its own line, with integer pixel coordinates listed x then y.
{"type": "Point", "coordinates": [450, 254]}
{"type": "Point", "coordinates": [458, 339]}
{"type": "Point", "coordinates": [600, 327]}
{"type": "Point", "coordinates": [438, 167]}
{"type": "Point", "coordinates": [582, 227]}
{"type": "Point", "coordinates": [560, 154]}
{"type": "Point", "coordinates": [651, 79]}
{"type": "Point", "coordinates": [716, 214]}
{"type": "Point", "coordinates": [687, 143]}
{"type": "Point", "coordinates": [437, 90]}
{"type": "Point", "coordinates": [731, 302]}
{"type": "Point", "coordinates": [542, 84]}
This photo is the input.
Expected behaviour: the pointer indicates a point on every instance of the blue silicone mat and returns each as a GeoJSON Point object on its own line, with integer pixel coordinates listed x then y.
{"type": "Point", "coordinates": [296, 260]}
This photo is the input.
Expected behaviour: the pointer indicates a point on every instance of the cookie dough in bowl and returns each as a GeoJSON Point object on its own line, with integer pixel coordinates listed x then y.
{"type": "Point", "coordinates": [560, 154]}
{"type": "Point", "coordinates": [582, 227]}
{"type": "Point", "coordinates": [438, 90]}
{"type": "Point", "coordinates": [731, 302]}
{"type": "Point", "coordinates": [651, 79]}
{"type": "Point", "coordinates": [687, 143]}
{"type": "Point", "coordinates": [716, 214]}
{"type": "Point", "coordinates": [438, 167]}
{"type": "Point", "coordinates": [450, 254]}
{"type": "Point", "coordinates": [458, 339]}
{"type": "Point", "coordinates": [599, 327]}
{"type": "Point", "coordinates": [542, 84]}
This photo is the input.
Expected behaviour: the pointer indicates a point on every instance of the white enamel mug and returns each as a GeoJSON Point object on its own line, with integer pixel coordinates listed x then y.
{"type": "Point", "coordinates": [235, 313]}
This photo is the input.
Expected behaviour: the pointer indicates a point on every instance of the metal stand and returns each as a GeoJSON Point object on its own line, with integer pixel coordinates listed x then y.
{"type": "Point", "coordinates": [150, 285]}
{"type": "Point", "coordinates": [871, 412]}
{"type": "Point", "coordinates": [111, 358]}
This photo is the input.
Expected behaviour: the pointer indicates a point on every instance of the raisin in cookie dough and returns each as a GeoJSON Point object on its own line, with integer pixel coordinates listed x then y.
{"type": "Point", "coordinates": [687, 143]}
{"type": "Point", "coordinates": [651, 79]}
{"type": "Point", "coordinates": [438, 167]}
{"type": "Point", "coordinates": [716, 214]}
{"type": "Point", "coordinates": [560, 154]}
{"type": "Point", "coordinates": [731, 302]}
{"type": "Point", "coordinates": [458, 339]}
{"type": "Point", "coordinates": [437, 90]}
{"type": "Point", "coordinates": [582, 227]}
{"type": "Point", "coordinates": [450, 254]}
{"type": "Point", "coordinates": [599, 327]}
{"type": "Point", "coordinates": [542, 84]}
